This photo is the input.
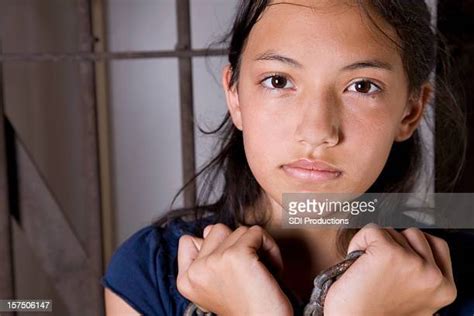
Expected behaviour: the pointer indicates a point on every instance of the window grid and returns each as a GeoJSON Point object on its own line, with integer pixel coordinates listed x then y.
{"type": "Point", "coordinates": [183, 52]}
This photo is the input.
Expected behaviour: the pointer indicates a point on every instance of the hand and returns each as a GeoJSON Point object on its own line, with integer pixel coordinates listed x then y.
{"type": "Point", "coordinates": [224, 272]}
{"type": "Point", "coordinates": [407, 273]}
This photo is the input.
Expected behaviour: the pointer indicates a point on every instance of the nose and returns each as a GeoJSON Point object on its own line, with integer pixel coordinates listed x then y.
{"type": "Point", "coordinates": [319, 120]}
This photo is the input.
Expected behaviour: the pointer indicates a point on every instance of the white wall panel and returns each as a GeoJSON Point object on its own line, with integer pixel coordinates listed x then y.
{"type": "Point", "coordinates": [146, 140]}
{"type": "Point", "coordinates": [141, 24]}
{"type": "Point", "coordinates": [144, 101]}
{"type": "Point", "coordinates": [209, 104]}
{"type": "Point", "coordinates": [210, 20]}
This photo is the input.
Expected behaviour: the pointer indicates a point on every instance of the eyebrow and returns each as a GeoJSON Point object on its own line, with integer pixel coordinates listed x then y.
{"type": "Point", "coordinates": [370, 63]}
{"type": "Point", "coordinates": [272, 56]}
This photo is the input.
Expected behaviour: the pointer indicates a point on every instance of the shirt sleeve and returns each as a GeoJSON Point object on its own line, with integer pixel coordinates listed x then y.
{"type": "Point", "coordinates": [137, 274]}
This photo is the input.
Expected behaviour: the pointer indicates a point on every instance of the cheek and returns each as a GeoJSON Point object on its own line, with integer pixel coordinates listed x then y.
{"type": "Point", "coordinates": [368, 146]}
{"type": "Point", "coordinates": [260, 151]}
{"type": "Point", "coordinates": [263, 133]}
{"type": "Point", "coordinates": [266, 132]}
{"type": "Point", "coordinates": [265, 122]}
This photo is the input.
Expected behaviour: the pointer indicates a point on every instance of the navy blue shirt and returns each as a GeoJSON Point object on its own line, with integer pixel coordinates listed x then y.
{"type": "Point", "coordinates": [143, 270]}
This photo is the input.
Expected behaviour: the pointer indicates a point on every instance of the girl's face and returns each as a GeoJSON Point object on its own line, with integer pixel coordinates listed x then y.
{"type": "Point", "coordinates": [318, 82]}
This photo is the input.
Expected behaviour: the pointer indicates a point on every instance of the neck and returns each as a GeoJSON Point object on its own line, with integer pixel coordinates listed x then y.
{"type": "Point", "coordinates": [319, 242]}
{"type": "Point", "coordinates": [305, 252]}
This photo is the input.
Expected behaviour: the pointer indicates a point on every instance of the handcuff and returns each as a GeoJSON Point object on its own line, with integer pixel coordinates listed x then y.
{"type": "Point", "coordinates": [322, 282]}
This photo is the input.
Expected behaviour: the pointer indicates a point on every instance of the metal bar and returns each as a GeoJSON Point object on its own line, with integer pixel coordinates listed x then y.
{"type": "Point", "coordinates": [91, 159]}
{"type": "Point", "coordinates": [99, 28]}
{"type": "Point", "coordinates": [104, 56]}
{"type": "Point", "coordinates": [186, 99]}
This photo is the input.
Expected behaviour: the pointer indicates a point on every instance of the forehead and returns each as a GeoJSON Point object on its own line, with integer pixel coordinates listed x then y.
{"type": "Point", "coordinates": [314, 29]}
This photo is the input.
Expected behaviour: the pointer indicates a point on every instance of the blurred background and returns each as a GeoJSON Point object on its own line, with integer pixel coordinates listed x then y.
{"type": "Point", "coordinates": [100, 101]}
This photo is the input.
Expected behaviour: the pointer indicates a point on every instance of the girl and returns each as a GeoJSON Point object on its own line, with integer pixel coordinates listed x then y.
{"type": "Point", "coordinates": [322, 96]}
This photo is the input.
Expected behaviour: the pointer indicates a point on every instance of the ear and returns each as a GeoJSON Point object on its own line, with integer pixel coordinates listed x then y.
{"type": "Point", "coordinates": [232, 97]}
{"type": "Point", "coordinates": [414, 113]}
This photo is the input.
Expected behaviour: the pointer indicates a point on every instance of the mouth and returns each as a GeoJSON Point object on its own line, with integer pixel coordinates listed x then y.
{"type": "Point", "coordinates": [311, 171]}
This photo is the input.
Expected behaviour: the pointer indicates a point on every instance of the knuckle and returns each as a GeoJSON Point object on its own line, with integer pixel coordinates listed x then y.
{"type": "Point", "coordinates": [437, 240]}
{"type": "Point", "coordinates": [443, 244]}
{"type": "Point", "coordinates": [198, 270]}
{"type": "Point", "coordinates": [371, 229]}
{"type": "Point", "coordinates": [413, 231]}
{"type": "Point", "coordinates": [375, 233]}
{"type": "Point", "coordinates": [184, 239]}
{"type": "Point", "coordinates": [446, 295]}
{"type": "Point", "coordinates": [210, 263]}
{"type": "Point", "coordinates": [433, 277]}
{"type": "Point", "coordinates": [241, 229]}
{"type": "Point", "coordinates": [450, 294]}
{"type": "Point", "coordinates": [219, 227]}
{"type": "Point", "coordinates": [183, 285]}
{"type": "Point", "coordinates": [197, 275]}
{"type": "Point", "coordinates": [257, 229]}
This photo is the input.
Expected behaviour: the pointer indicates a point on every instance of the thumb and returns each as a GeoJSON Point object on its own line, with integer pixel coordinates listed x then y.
{"type": "Point", "coordinates": [188, 250]}
{"type": "Point", "coordinates": [366, 237]}
{"type": "Point", "coordinates": [261, 242]}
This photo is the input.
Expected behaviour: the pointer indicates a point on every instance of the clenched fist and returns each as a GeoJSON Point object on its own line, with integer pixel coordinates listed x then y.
{"type": "Point", "coordinates": [407, 273]}
{"type": "Point", "coordinates": [224, 272]}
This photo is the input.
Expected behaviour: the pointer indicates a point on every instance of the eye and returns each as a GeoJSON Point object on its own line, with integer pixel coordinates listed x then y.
{"type": "Point", "coordinates": [277, 82]}
{"type": "Point", "coordinates": [364, 86]}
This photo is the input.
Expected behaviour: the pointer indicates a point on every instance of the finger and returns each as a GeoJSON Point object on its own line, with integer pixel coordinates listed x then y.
{"type": "Point", "coordinates": [214, 237]}
{"type": "Point", "coordinates": [188, 251]}
{"type": "Point", "coordinates": [206, 231]}
{"type": "Point", "coordinates": [367, 236]}
{"type": "Point", "coordinates": [400, 239]}
{"type": "Point", "coordinates": [198, 242]}
{"type": "Point", "coordinates": [441, 254]}
{"type": "Point", "coordinates": [256, 239]}
{"type": "Point", "coordinates": [233, 238]}
{"type": "Point", "coordinates": [419, 243]}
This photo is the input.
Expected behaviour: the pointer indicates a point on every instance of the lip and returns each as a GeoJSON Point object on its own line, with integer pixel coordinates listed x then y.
{"type": "Point", "coordinates": [311, 170]}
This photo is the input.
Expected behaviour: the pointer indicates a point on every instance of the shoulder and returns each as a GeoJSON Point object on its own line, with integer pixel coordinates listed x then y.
{"type": "Point", "coordinates": [142, 271]}
{"type": "Point", "coordinates": [461, 248]}
{"type": "Point", "coordinates": [134, 271]}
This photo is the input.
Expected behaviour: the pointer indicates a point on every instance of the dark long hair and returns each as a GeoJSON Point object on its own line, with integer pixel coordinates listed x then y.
{"type": "Point", "coordinates": [420, 48]}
